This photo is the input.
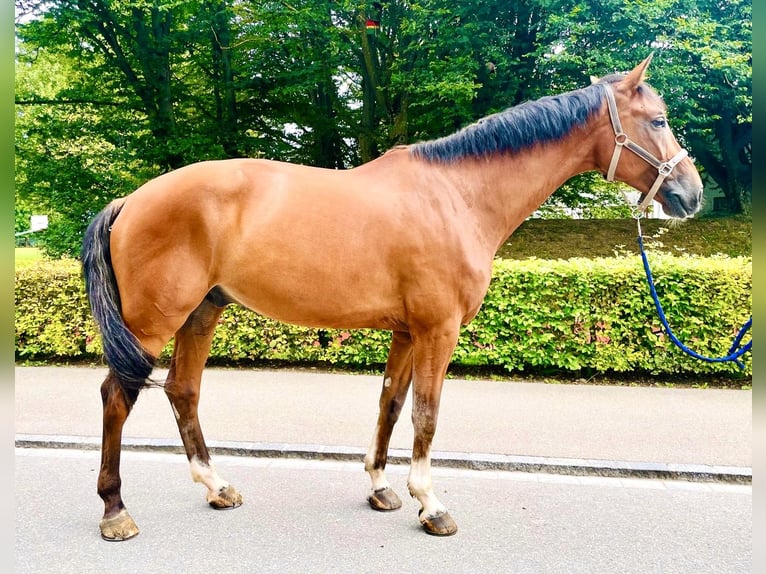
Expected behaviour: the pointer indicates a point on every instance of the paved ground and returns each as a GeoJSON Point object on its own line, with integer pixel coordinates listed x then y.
{"type": "Point", "coordinates": [583, 502]}
{"type": "Point", "coordinates": [311, 517]}
{"type": "Point", "coordinates": [665, 432]}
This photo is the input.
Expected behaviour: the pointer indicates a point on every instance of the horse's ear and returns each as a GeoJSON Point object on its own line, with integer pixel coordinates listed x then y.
{"type": "Point", "coordinates": [593, 80]}
{"type": "Point", "coordinates": [637, 74]}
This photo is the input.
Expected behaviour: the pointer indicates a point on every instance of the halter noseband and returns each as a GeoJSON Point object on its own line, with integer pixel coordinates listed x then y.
{"type": "Point", "coordinates": [621, 139]}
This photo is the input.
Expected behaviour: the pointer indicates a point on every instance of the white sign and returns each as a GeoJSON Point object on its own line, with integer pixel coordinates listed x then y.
{"type": "Point", "coordinates": [39, 222]}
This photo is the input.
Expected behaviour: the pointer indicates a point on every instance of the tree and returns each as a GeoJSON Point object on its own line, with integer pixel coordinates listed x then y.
{"type": "Point", "coordinates": [702, 67]}
{"type": "Point", "coordinates": [74, 152]}
{"type": "Point", "coordinates": [431, 67]}
{"type": "Point", "coordinates": [716, 47]}
{"type": "Point", "coordinates": [296, 57]}
{"type": "Point", "coordinates": [144, 86]}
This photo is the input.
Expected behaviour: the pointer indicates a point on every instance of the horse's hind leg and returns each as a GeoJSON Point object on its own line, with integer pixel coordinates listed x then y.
{"type": "Point", "coordinates": [192, 346]}
{"type": "Point", "coordinates": [116, 524]}
{"type": "Point", "coordinates": [396, 382]}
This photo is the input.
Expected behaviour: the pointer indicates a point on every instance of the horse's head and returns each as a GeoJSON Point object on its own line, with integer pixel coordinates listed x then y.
{"type": "Point", "coordinates": [657, 167]}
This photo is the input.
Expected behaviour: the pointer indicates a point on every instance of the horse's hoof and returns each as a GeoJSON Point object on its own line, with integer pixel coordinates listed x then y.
{"type": "Point", "coordinates": [119, 527]}
{"type": "Point", "coordinates": [384, 499]}
{"type": "Point", "coordinates": [439, 524]}
{"type": "Point", "coordinates": [227, 497]}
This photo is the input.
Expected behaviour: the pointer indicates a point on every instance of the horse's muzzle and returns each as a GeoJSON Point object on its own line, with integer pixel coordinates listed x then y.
{"type": "Point", "coordinates": [681, 202]}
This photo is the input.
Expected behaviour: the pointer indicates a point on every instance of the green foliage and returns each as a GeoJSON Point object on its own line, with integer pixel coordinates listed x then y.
{"type": "Point", "coordinates": [22, 219]}
{"type": "Point", "coordinates": [597, 315]}
{"type": "Point", "coordinates": [112, 92]}
{"type": "Point", "coordinates": [702, 67]}
{"type": "Point", "coordinates": [589, 196]}
{"type": "Point", "coordinates": [72, 158]}
{"type": "Point", "coordinates": [52, 313]}
{"type": "Point", "coordinates": [578, 315]}
{"type": "Point", "coordinates": [568, 238]}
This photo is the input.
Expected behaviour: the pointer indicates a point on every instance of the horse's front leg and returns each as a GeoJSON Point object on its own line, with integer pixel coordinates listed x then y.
{"type": "Point", "coordinates": [432, 352]}
{"type": "Point", "coordinates": [192, 346]}
{"type": "Point", "coordinates": [396, 382]}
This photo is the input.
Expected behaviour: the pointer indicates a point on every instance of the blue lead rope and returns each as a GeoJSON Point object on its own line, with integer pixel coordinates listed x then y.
{"type": "Point", "coordinates": [735, 351]}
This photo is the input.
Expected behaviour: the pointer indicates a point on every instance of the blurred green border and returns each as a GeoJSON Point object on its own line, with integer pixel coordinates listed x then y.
{"type": "Point", "coordinates": [759, 270]}
{"type": "Point", "coordinates": [6, 191]}
{"type": "Point", "coordinates": [759, 213]}
{"type": "Point", "coordinates": [7, 506]}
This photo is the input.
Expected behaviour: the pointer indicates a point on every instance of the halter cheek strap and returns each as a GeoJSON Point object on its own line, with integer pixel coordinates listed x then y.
{"type": "Point", "coordinates": [621, 139]}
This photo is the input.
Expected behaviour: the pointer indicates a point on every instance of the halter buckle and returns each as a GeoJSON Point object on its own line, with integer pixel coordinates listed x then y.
{"type": "Point", "coordinates": [665, 169]}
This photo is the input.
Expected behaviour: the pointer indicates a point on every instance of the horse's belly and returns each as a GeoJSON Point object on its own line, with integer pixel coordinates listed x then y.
{"type": "Point", "coordinates": [327, 299]}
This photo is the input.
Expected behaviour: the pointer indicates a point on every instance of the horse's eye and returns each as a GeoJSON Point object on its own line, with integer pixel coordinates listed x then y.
{"type": "Point", "coordinates": [659, 122]}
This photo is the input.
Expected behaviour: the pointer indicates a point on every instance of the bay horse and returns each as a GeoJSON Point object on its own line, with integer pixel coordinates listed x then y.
{"type": "Point", "coordinates": [402, 243]}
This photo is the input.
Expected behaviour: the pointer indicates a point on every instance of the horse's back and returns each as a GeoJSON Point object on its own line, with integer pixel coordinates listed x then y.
{"type": "Point", "coordinates": [304, 245]}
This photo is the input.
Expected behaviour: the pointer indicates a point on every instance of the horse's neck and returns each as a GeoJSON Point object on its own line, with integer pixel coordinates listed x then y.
{"type": "Point", "coordinates": [505, 190]}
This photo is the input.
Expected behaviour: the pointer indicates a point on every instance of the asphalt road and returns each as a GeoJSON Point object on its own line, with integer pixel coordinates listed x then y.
{"type": "Point", "coordinates": [642, 425]}
{"type": "Point", "coordinates": [311, 516]}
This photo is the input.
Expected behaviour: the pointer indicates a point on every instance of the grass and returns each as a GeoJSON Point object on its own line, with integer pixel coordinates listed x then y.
{"type": "Point", "coordinates": [567, 238]}
{"type": "Point", "coordinates": [27, 256]}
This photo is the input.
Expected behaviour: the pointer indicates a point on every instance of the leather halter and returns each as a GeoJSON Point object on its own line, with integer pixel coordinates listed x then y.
{"type": "Point", "coordinates": [621, 139]}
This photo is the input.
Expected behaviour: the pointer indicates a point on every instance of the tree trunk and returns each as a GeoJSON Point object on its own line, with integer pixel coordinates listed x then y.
{"type": "Point", "coordinates": [223, 77]}
{"type": "Point", "coordinates": [153, 54]}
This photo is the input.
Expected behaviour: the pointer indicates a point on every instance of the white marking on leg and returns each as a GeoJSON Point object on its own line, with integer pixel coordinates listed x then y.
{"type": "Point", "coordinates": [387, 382]}
{"type": "Point", "coordinates": [175, 412]}
{"type": "Point", "coordinates": [377, 475]}
{"type": "Point", "coordinates": [420, 486]}
{"type": "Point", "coordinates": [379, 480]}
{"type": "Point", "coordinates": [206, 474]}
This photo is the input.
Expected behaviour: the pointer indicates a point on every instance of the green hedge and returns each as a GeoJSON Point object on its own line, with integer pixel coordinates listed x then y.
{"type": "Point", "coordinates": [578, 315]}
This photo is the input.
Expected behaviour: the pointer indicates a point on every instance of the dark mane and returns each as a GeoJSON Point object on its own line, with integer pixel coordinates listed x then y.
{"type": "Point", "coordinates": [548, 119]}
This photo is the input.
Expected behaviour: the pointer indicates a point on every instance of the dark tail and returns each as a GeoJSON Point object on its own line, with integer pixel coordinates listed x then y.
{"type": "Point", "coordinates": [127, 359]}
